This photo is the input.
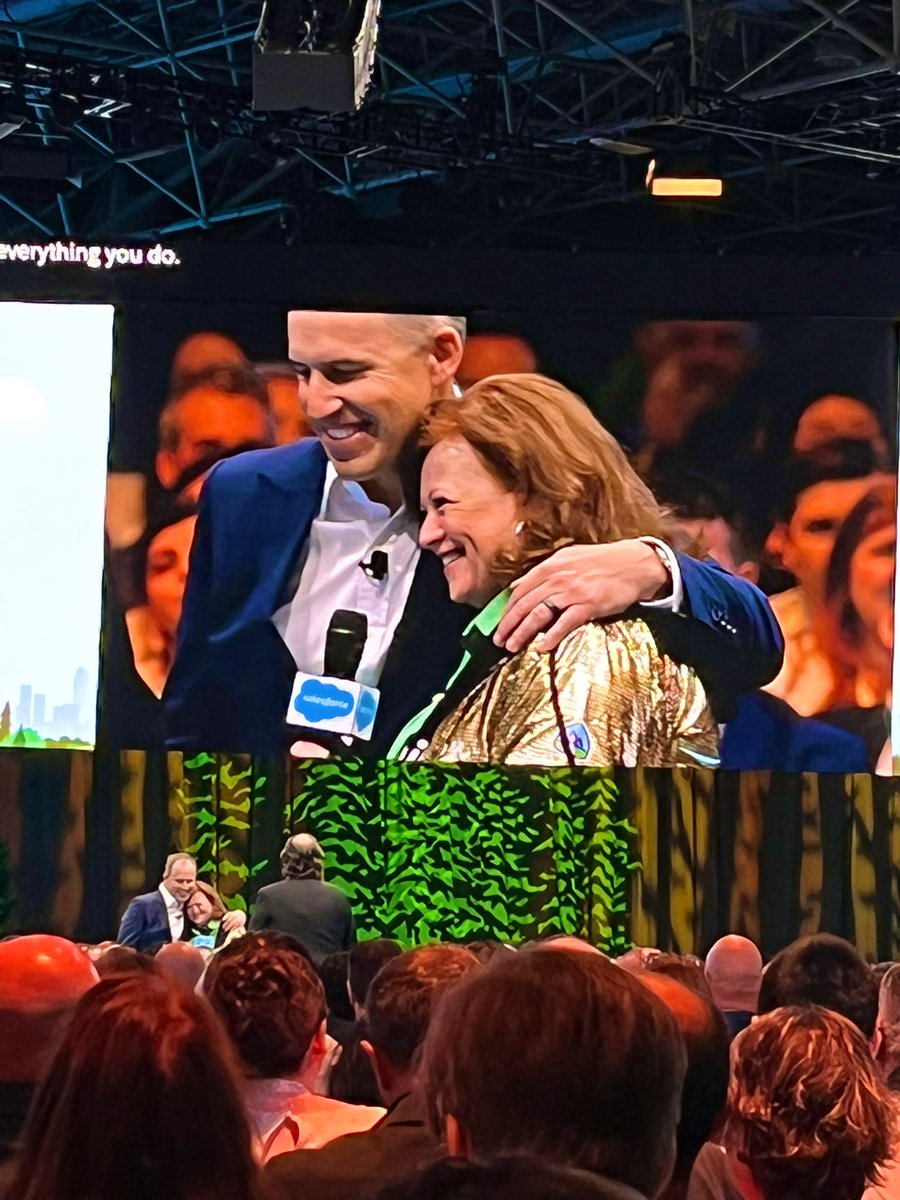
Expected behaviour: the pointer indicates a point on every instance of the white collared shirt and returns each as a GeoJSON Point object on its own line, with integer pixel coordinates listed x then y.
{"type": "Point", "coordinates": [344, 534]}
{"type": "Point", "coordinates": [174, 911]}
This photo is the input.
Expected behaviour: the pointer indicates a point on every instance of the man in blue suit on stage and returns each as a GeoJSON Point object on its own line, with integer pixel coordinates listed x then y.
{"type": "Point", "coordinates": [286, 537]}
{"type": "Point", "coordinates": [158, 917]}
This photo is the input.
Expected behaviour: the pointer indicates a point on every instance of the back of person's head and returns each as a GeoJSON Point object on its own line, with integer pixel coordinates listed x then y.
{"type": "Point", "coordinates": [684, 968]}
{"type": "Point", "coordinates": [807, 1110]}
{"type": "Point", "coordinates": [561, 1055]}
{"type": "Point", "coordinates": [734, 970]}
{"type": "Point", "coordinates": [825, 970]}
{"type": "Point", "coordinates": [889, 996]}
{"type": "Point", "coordinates": [181, 963]}
{"type": "Point", "coordinates": [518, 1178]}
{"type": "Point", "coordinates": [401, 998]}
{"type": "Point", "coordinates": [270, 999]}
{"type": "Point", "coordinates": [42, 978]}
{"type": "Point", "coordinates": [302, 858]}
{"type": "Point", "coordinates": [333, 973]}
{"type": "Point", "coordinates": [141, 1101]}
{"type": "Point", "coordinates": [124, 960]}
{"type": "Point", "coordinates": [565, 941]}
{"type": "Point", "coordinates": [365, 961]}
{"type": "Point", "coordinates": [705, 1037]}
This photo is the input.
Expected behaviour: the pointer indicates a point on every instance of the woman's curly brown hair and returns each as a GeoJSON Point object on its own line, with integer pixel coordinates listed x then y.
{"type": "Point", "coordinates": [542, 442]}
{"type": "Point", "coordinates": [808, 1112]}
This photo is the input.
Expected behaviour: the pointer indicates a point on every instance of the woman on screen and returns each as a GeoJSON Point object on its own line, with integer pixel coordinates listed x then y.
{"type": "Point", "coordinates": [515, 470]}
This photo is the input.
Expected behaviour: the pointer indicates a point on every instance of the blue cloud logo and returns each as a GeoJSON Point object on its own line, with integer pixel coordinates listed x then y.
{"type": "Point", "coordinates": [365, 714]}
{"type": "Point", "coordinates": [317, 701]}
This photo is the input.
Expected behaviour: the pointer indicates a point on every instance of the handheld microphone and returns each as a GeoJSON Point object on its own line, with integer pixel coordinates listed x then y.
{"type": "Point", "coordinates": [377, 566]}
{"type": "Point", "coordinates": [334, 702]}
{"type": "Point", "coordinates": [344, 643]}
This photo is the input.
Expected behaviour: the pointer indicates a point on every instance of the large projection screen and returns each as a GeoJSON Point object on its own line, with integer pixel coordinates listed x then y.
{"type": "Point", "coordinates": [54, 434]}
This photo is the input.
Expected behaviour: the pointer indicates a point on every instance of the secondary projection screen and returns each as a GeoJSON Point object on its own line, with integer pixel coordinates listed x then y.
{"type": "Point", "coordinates": [54, 433]}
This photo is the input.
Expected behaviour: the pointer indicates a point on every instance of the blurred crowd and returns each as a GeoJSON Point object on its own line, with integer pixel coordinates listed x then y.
{"type": "Point", "coordinates": [542, 1070]}
{"type": "Point", "coordinates": [802, 503]}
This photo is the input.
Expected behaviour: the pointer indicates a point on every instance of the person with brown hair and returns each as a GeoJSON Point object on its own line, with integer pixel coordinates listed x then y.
{"type": "Point", "coordinates": [560, 1055]}
{"type": "Point", "coordinates": [808, 1115]}
{"type": "Point", "coordinates": [272, 1003]}
{"type": "Point", "coordinates": [206, 912]}
{"type": "Point", "coordinates": [516, 470]}
{"type": "Point", "coordinates": [141, 1101]}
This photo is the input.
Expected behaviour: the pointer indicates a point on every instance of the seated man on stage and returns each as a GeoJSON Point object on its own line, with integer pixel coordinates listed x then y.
{"type": "Point", "coordinates": [287, 537]}
{"type": "Point", "coordinates": [517, 469]}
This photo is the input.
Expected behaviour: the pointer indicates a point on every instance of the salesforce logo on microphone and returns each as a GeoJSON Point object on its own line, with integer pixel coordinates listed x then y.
{"type": "Point", "coordinates": [318, 701]}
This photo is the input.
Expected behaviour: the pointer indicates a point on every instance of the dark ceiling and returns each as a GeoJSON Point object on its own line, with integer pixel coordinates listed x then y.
{"type": "Point", "coordinates": [489, 122]}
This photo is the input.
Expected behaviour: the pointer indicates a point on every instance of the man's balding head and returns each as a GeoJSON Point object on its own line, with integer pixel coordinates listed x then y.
{"type": "Point", "coordinates": [181, 962]}
{"type": "Point", "coordinates": [734, 970]}
{"type": "Point", "coordinates": [42, 978]}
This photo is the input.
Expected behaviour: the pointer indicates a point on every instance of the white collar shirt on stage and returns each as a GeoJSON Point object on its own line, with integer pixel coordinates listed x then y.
{"type": "Point", "coordinates": [174, 912]}
{"type": "Point", "coordinates": [347, 530]}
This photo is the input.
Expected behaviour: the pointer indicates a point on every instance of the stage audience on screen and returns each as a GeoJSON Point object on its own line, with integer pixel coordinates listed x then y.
{"type": "Point", "coordinates": [302, 904]}
{"type": "Point", "coordinates": [399, 1005]}
{"type": "Point", "coordinates": [199, 352]}
{"type": "Point", "coordinates": [734, 969]}
{"type": "Point", "coordinates": [705, 1036]}
{"type": "Point", "coordinates": [272, 1003]}
{"type": "Point", "coordinates": [283, 389]}
{"type": "Point", "coordinates": [212, 415]}
{"type": "Point", "coordinates": [819, 492]}
{"type": "Point", "coordinates": [140, 1101]}
{"type": "Point", "coordinates": [487, 354]}
{"type": "Point", "coordinates": [823, 970]}
{"type": "Point", "coordinates": [560, 1055]}
{"type": "Point", "coordinates": [808, 1114]}
{"type": "Point", "coordinates": [42, 978]}
{"type": "Point", "coordinates": [859, 588]}
{"type": "Point", "coordinates": [834, 417]}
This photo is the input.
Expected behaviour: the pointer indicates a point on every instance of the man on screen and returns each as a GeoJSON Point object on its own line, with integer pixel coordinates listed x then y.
{"type": "Point", "coordinates": [286, 537]}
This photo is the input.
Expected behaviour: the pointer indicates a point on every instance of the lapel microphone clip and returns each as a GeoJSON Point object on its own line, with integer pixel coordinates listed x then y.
{"type": "Point", "coordinates": [377, 566]}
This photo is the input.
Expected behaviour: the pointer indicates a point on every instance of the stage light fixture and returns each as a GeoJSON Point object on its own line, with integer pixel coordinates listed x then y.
{"type": "Point", "coordinates": [682, 180]}
{"type": "Point", "coordinates": [317, 54]}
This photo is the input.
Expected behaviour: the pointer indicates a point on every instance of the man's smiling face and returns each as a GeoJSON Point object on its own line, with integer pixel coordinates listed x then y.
{"type": "Point", "coordinates": [365, 380]}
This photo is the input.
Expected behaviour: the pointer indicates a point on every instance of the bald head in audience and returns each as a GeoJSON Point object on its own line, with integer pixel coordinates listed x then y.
{"type": "Point", "coordinates": [180, 962]}
{"type": "Point", "coordinates": [42, 978]}
{"type": "Point", "coordinates": [734, 971]}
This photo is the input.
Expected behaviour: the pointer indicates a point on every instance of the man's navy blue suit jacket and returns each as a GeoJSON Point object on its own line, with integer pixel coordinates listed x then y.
{"type": "Point", "coordinates": [231, 682]}
{"type": "Point", "coordinates": [145, 923]}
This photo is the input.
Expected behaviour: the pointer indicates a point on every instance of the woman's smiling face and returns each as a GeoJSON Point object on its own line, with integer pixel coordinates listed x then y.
{"type": "Point", "coordinates": [469, 518]}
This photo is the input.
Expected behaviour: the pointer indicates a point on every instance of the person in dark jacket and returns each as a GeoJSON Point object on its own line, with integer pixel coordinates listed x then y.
{"type": "Point", "coordinates": [302, 905]}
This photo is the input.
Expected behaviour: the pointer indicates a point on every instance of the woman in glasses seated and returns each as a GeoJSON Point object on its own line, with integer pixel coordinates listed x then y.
{"type": "Point", "coordinates": [515, 470]}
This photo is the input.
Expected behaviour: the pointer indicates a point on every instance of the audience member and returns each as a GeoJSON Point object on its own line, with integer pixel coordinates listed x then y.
{"type": "Point", "coordinates": [734, 970]}
{"type": "Point", "coordinates": [199, 352]}
{"type": "Point", "coordinates": [686, 969]}
{"type": "Point", "coordinates": [141, 1101]}
{"type": "Point", "coordinates": [399, 1005]}
{"type": "Point", "coordinates": [333, 973]}
{"type": "Point", "coordinates": [487, 354]}
{"type": "Point", "coordinates": [153, 623]}
{"type": "Point", "coordinates": [888, 1051]}
{"type": "Point", "coordinates": [819, 492]}
{"type": "Point", "coordinates": [353, 1079]}
{"type": "Point", "coordinates": [181, 963]}
{"type": "Point", "coordinates": [41, 980]}
{"type": "Point", "coordinates": [833, 417]}
{"type": "Point", "coordinates": [507, 1179]}
{"type": "Point", "coordinates": [124, 960]}
{"type": "Point", "coordinates": [212, 415]}
{"type": "Point", "coordinates": [560, 1055]}
{"type": "Point", "coordinates": [807, 1118]}
{"type": "Point", "coordinates": [823, 970]}
{"type": "Point", "coordinates": [705, 1089]}
{"type": "Point", "coordinates": [158, 917]}
{"type": "Point", "coordinates": [302, 904]}
{"type": "Point", "coordinates": [272, 1004]}
{"type": "Point", "coordinates": [284, 402]}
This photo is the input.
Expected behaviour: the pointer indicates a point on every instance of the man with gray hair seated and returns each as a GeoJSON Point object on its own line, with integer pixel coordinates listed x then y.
{"type": "Point", "coordinates": [302, 905]}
